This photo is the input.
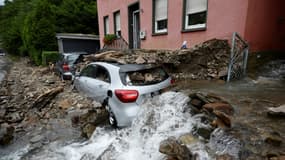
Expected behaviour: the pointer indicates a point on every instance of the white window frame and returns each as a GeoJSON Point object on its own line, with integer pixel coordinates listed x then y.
{"type": "Point", "coordinates": [192, 7]}
{"type": "Point", "coordinates": [117, 23]}
{"type": "Point", "coordinates": [106, 25]}
{"type": "Point", "coordinates": [160, 13]}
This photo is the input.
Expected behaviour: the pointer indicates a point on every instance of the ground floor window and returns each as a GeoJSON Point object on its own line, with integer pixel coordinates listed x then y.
{"type": "Point", "coordinates": [160, 16]}
{"type": "Point", "coordinates": [195, 14]}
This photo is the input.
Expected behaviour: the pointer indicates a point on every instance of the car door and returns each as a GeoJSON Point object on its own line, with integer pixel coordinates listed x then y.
{"type": "Point", "coordinates": [81, 82]}
{"type": "Point", "coordinates": [100, 83]}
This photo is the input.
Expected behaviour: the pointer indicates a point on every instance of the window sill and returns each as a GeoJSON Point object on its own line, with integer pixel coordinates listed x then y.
{"type": "Point", "coordinates": [159, 34]}
{"type": "Point", "coordinates": [193, 30]}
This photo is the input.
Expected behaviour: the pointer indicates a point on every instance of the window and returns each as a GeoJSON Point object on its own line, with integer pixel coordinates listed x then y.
{"type": "Point", "coordinates": [195, 14]}
{"type": "Point", "coordinates": [89, 71]}
{"type": "Point", "coordinates": [106, 25]}
{"type": "Point", "coordinates": [102, 74]}
{"type": "Point", "coordinates": [159, 16]}
{"type": "Point", "coordinates": [117, 23]}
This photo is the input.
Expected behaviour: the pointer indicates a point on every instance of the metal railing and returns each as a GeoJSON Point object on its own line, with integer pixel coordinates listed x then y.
{"type": "Point", "coordinates": [238, 58]}
{"type": "Point", "coordinates": [118, 43]}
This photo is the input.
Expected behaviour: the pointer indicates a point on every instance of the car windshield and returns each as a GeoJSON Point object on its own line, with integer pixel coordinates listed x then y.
{"type": "Point", "coordinates": [145, 77]}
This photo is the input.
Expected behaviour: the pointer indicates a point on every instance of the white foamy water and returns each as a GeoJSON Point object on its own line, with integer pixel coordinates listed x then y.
{"type": "Point", "coordinates": [159, 118]}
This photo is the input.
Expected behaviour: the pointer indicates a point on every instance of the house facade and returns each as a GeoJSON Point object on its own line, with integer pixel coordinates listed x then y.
{"type": "Point", "coordinates": [166, 24]}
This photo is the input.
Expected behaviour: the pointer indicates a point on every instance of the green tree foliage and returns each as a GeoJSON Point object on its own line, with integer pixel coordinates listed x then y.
{"type": "Point", "coordinates": [76, 16]}
{"type": "Point", "coordinates": [29, 26]}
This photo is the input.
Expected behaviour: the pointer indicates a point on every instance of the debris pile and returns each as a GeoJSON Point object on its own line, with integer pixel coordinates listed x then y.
{"type": "Point", "coordinates": [33, 97]}
{"type": "Point", "coordinates": [208, 60]}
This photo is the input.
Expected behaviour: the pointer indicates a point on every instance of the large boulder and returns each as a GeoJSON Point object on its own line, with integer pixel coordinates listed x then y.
{"type": "Point", "coordinates": [277, 111]}
{"type": "Point", "coordinates": [174, 150]}
{"type": "Point", "coordinates": [90, 120]}
{"type": "Point", "coordinates": [220, 106]}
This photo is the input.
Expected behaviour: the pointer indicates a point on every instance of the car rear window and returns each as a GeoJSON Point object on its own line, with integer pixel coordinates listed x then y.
{"type": "Point", "coordinates": [72, 58]}
{"type": "Point", "coordinates": [144, 77]}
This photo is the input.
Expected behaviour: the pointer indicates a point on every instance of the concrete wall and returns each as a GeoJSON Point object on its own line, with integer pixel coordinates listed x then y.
{"type": "Point", "coordinates": [265, 25]}
{"type": "Point", "coordinates": [224, 18]}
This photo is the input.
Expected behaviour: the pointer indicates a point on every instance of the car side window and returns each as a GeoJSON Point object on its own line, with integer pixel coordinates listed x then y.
{"type": "Point", "coordinates": [89, 71]}
{"type": "Point", "coordinates": [102, 74]}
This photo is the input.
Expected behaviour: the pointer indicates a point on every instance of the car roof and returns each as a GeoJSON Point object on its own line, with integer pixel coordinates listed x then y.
{"type": "Point", "coordinates": [74, 53]}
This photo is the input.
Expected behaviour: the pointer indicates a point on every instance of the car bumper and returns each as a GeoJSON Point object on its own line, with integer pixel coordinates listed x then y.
{"type": "Point", "coordinates": [67, 76]}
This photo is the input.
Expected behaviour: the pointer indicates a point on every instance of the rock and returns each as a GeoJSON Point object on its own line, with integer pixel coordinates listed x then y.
{"type": "Point", "coordinates": [225, 157]}
{"type": "Point", "coordinates": [277, 112]}
{"type": "Point", "coordinates": [223, 107]}
{"type": "Point", "coordinates": [187, 139]}
{"type": "Point", "coordinates": [14, 117]}
{"type": "Point", "coordinates": [95, 117]}
{"type": "Point", "coordinates": [87, 130]}
{"type": "Point", "coordinates": [197, 103]}
{"type": "Point", "coordinates": [6, 133]}
{"type": "Point", "coordinates": [87, 156]}
{"type": "Point", "coordinates": [90, 120]}
{"type": "Point", "coordinates": [273, 138]}
{"type": "Point", "coordinates": [36, 139]}
{"type": "Point", "coordinates": [2, 113]}
{"type": "Point", "coordinates": [223, 117]}
{"type": "Point", "coordinates": [64, 104]}
{"type": "Point", "coordinates": [175, 150]}
{"type": "Point", "coordinates": [140, 60]}
{"type": "Point", "coordinates": [203, 131]}
{"type": "Point", "coordinates": [218, 123]}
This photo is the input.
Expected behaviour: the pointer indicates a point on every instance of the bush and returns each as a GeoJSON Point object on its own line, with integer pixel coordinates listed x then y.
{"type": "Point", "coordinates": [35, 56]}
{"type": "Point", "coordinates": [109, 38]}
{"type": "Point", "coordinates": [49, 56]}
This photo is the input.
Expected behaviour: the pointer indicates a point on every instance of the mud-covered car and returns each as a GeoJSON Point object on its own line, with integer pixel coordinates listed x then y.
{"type": "Point", "coordinates": [65, 67]}
{"type": "Point", "coordinates": [121, 88]}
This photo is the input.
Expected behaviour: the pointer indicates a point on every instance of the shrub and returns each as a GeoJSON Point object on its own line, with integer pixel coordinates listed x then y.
{"type": "Point", "coordinates": [109, 38]}
{"type": "Point", "coordinates": [49, 56]}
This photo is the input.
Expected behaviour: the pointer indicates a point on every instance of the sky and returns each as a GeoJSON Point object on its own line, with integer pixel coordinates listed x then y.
{"type": "Point", "coordinates": [1, 2]}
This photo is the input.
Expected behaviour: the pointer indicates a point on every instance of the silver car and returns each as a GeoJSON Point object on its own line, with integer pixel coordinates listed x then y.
{"type": "Point", "coordinates": [65, 67]}
{"type": "Point", "coordinates": [121, 88]}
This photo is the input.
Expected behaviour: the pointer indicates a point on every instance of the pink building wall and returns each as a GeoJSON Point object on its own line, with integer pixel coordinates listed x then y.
{"type": "Point", "coordinates": [247, 17]}
{"type": "Point", "coordinates": [265, 25]}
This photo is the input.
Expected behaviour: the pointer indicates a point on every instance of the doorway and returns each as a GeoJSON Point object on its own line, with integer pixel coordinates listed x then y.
{"type": "Point", "coordinates": [134, 26]}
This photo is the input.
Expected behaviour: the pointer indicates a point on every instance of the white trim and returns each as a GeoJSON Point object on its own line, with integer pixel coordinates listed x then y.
{"type": "Point", "coordinates": [106, 25]}
{"type": "Point", "coordinates": [118, 21]}
{"type": "Point", "coordinates": [192, 7]}
{"type": "Point", "coordinates": [77, 36]}
{"type": "Point", "coordinates": [159, 30]}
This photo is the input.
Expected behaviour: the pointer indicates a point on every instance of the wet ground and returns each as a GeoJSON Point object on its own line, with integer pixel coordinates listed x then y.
{"type": "Point", "coordinates": [163, 117]}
